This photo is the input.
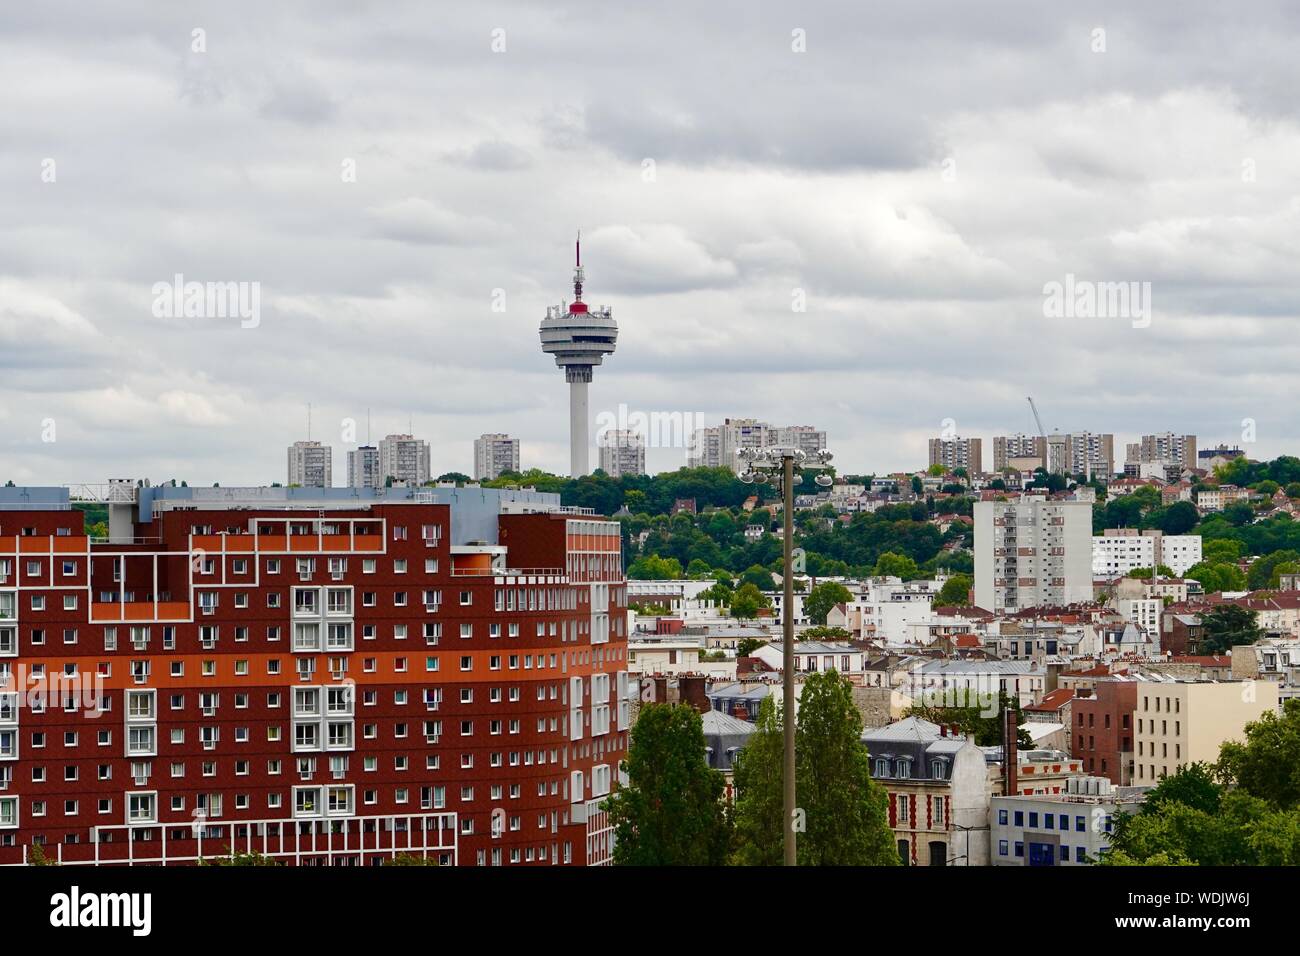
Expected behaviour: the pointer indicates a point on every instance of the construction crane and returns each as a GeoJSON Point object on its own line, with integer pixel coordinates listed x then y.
{"type": "Point", "coordinates": [1047, 458]}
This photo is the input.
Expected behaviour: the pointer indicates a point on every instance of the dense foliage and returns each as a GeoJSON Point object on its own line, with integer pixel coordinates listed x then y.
{"type": "Point", "coordinates": [1243, 810]}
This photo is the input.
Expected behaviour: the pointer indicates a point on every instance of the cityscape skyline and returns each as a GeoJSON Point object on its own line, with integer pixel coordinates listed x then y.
{"type": "Point", "coordinates": [389, 259]}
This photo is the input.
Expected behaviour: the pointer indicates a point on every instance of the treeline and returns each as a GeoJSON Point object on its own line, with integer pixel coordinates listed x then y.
{"type": "Point", "coordinates": [646, 494]}
{"type": "Point", "coordinates": [896, 539]}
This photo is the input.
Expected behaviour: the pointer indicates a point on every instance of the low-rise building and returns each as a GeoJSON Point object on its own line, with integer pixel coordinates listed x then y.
{"type": "Point", "coordinates": [962, 683]}
{"type": "Point", "coordinates": [1066, 829]}
{"type": "Point", "coordinates": [939, 787]}
{"type": "Point", "coordinates": [1102, 728]}
{"type": "Point", "coordinates": [813, 656]}
{"type": "Point", "coordinates": [1181, 722]}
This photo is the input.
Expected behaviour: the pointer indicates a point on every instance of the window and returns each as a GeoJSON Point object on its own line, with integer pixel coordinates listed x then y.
{"type": "Point", "coordinates": [1002, 848]}
{"type": "Point", "coordinates": [141, 807]}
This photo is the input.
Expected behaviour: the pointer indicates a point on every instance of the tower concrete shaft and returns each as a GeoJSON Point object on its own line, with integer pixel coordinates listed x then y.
{"type": "Point", "coordinates": [579, 423]}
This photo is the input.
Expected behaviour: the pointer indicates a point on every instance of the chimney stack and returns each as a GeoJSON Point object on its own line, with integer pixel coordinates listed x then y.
{"type": "Point", "coordinates": [1010, 755]}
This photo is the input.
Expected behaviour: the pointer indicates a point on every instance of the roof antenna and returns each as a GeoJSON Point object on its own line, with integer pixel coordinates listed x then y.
{"type": "Point", "coordinates": [309, 421]}
{"type": "Point", "coordinates": [577, 268]}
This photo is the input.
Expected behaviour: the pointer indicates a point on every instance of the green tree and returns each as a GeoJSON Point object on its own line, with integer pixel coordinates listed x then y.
{"type": "Point", "coordinates": [896, 565]}
{"type": "Point", "coordinates": [698, 569]}
{"type": "Point", "coordinates": [842, 810]}
{"type": "Point", "coordinates": [823, 633]}
{"type": "Point", "coordinates": [654, 568]}
{"type": "Point", "coordinates": [1267, 764]}
{"type": "Point", "coordinates": [1239, 513]}
{"type": "Point", "coordinates": [1195, 785]}
{"type": "Point", "coordinates": [975, 722]}
{"type": "Point", "coordinates": [845, 811]}
{"type": "Point", "coordinates": [671, 811]}
{"type": "Point", "coordinates": [1263, 572]}
{"type": "Point", "coordinates": [248, 858]}
{"type": "Point", "coordinates": [746, 646]}
{"type": "Point", "coordinates": [36, 855]}
{"type": "Point", "coordinates": [1228, 625]}
{"type": "Point", "coordinates": [758, 576]}
{"type": "Point", "coordinates": [747, 600]}
{"type": "Point", "coordinates": [819, 601]}
{"type": "Point", "coordinates": [1220, 551]}
{"type": "Point", "coordinates": [1217, 577]}
{"type": "Point", "coordinates": [411, 859]}
{"type": "Point", "coordinates": [1179, 518]}
{"type": "Point", "coordinates": [758, 772]}
{"type": "Point", "coordinates": [955, 591]}
{"type": "Point", "coordinates": [1144, 574]}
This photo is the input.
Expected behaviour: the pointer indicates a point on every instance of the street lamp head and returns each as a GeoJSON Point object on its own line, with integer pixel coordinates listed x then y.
{"type": "Point", "coordinates": [824, 456]}
{"type": "Point", "coordinates": [824, 481]}
{"type": "Point", "coordinates": [747, 476]}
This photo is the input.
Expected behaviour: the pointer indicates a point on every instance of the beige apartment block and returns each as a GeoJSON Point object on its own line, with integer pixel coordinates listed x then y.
{"type": "Point", "coordinates": [1181, 722]}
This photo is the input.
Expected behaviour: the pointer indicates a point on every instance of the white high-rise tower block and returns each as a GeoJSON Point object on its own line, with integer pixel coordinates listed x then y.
{"type": "Point", "coordinates": [579, 337]}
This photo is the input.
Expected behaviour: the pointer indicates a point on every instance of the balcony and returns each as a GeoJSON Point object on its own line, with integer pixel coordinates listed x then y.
{"type": "Point", "coordinates": [140, 611]}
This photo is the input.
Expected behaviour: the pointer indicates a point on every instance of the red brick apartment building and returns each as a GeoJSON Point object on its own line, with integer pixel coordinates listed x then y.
{"type": "Point", "coordinates": [1102, 735]}
{"type": "Point", "coordinates": [326, 676]}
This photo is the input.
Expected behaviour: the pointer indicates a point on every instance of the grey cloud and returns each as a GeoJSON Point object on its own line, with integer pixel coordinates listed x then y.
{"type": "Point", "coordinates": [820, 172]}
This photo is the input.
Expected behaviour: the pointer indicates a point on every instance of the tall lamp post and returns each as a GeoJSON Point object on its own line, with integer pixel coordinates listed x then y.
{"type": "Point", "coordinates": [780, 466]}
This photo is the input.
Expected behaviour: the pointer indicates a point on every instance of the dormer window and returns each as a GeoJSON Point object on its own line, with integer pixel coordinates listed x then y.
{"type": "Point", "coordinates": [882, 767]}
{"type": "Point", "coordinates": [904, 768]}
{"type": "Point", "coordinates": [938, 768]}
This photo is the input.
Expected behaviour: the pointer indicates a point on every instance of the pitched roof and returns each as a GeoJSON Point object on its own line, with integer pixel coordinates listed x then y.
{"type": "Point", "coordinates": [1053, 701]}
{"type": "Point", "coordinates": [717, 722]}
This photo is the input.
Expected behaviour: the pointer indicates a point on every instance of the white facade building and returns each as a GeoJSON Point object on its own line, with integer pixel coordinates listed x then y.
{"type": "Point", "coordinates": [1121, 550]}
{"type": "Point", "coordinates": [718, 446]}
{"type": "Point", "coordinates": [363, 468]}
{"type": "Point", "coordinates": [403, 458]}
{"type": "Point", "coordinates": [622, 452]}
{"type": "Point", "coordinates": [952, 453]}
{"type": "Point", "coordinates": [493, 454]}
{"type": "Point", "coordinates": [1067, 829]}
{"type": "Point", "coordinates": [311, 465]}
{"type": "Point", "coordinates": [1032, 553]}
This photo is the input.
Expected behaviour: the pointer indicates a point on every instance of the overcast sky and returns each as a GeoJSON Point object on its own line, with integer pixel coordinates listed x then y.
{"type": "Point", "coordinates": [916, 173]}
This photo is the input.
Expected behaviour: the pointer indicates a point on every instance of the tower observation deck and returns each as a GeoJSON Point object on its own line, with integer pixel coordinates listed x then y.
{"type": "Point", "coordinates": [579, 337]}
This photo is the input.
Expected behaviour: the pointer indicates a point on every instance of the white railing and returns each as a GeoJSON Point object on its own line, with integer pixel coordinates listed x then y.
{"type": "Point", "coordinates": [347, 837]}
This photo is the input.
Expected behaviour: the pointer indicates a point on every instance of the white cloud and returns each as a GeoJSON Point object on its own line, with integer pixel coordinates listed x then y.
{"type": "Point", "coordinates": [1168, 159]}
